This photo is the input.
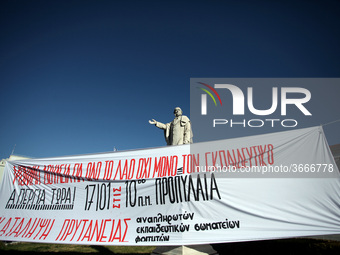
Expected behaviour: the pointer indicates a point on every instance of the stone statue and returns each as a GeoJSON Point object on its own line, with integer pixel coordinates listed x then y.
{"type": "Point", "coordinates": [178, 131]}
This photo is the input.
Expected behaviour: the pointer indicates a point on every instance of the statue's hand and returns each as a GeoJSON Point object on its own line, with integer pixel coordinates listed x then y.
{"type": "Point", "coordinates": [152, 121]}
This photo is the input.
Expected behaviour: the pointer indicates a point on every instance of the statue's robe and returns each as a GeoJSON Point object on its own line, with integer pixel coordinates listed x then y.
{"type": "Point", "coordinates": [178, 131]}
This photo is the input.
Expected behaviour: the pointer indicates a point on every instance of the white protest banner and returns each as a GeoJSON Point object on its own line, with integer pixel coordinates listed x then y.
{"type": "Point", "coordinates": [269, 186]}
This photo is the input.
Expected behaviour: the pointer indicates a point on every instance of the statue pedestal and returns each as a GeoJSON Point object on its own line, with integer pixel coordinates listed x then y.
{"type": "Point", "coordinates": [187, 250]}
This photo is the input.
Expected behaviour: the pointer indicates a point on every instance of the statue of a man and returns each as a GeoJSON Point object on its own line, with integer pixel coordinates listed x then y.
{"type": "Point", "coordinates": [178, 131]}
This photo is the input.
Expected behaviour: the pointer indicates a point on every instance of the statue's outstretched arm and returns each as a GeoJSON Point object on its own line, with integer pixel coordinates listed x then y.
{"type": "Point", "coordinates": [157, 124]}
{"type": "Point", "coordinates": [152, 121]}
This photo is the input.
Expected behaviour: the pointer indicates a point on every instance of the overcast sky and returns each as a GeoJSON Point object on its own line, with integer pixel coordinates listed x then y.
{"type": "Point", "coordinates": [85, 76]}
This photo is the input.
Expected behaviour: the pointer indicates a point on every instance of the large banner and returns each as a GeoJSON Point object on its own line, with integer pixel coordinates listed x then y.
{"type": "Point", "coordinates": [269, 186]}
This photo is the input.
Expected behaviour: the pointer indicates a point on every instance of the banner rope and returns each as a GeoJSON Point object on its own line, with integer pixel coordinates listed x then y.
{"type": "Point", "coordinates": [330, 122]}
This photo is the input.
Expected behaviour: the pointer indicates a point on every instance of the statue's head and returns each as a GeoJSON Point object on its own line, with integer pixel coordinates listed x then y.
{"type": "Point", "coordinates": [178, 111]}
